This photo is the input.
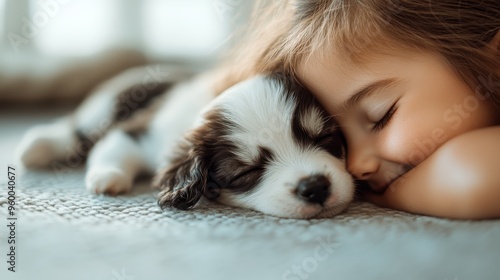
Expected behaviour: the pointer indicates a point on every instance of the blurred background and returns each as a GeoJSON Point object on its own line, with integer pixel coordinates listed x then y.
{"type": "Point", "coordinates": [55, 50]}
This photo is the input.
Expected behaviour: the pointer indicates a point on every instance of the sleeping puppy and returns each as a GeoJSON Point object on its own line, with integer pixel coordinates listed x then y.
{"type": "Point", "coordinates": [264, 144]}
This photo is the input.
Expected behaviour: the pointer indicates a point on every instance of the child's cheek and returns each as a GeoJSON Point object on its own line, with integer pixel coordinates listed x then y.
{"type": "Point", "coordinates": [412, 137]}
{"type": "Point", "coordinates": [419, 127]}
{"type": "Point", "coordinates": [411, 142]}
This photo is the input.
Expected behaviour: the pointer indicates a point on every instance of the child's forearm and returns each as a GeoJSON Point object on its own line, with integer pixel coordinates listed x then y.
{"type": "Point", "coordinates": [460, 180]}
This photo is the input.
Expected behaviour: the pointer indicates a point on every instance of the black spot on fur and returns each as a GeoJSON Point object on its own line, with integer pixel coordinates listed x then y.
{"type": "Point", "coordinates": [241, 177]}
{"type": "Point", "coordinates": [85, 143]}
{"type": "Point", "coordinates": [330, 138]}
{"type": "Point", "coordinates": [137, 97]}
{"type": "Point", "coordinates": [135, 133]}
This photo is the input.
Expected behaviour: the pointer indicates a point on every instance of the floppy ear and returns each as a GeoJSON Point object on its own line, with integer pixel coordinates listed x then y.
{"type": "Point", "coordinates": [183, 182]}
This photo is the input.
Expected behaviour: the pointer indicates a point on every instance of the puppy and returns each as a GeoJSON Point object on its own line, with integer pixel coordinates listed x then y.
{"type": "Point", "coordinates": [264, 144]}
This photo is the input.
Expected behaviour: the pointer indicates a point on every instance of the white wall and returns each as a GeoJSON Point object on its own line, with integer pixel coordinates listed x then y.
{"type": "Point", "coordinates": [2, 16]}
{"type": "Point", "coordinates": [182, 29]}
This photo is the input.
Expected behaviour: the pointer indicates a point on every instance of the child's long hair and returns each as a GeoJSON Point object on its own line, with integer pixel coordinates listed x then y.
{"type": "Point", "coordinates": [284, 32]}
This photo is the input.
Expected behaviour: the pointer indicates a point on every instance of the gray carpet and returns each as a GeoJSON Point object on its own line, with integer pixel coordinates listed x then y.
{"type": "Point", "coordinates": [65, 233]}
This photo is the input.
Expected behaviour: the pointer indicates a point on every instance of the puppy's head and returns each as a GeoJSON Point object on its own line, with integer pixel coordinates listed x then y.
{"type": "Point", "coordinates": [265, 144]}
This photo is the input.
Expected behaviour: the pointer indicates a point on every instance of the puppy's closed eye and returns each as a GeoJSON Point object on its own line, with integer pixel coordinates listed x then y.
{"type": "Point", "coordinates": [246, 174]}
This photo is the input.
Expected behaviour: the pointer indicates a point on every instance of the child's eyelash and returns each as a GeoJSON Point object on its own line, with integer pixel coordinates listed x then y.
{"type": "Point", "coordinates": [385, 119]}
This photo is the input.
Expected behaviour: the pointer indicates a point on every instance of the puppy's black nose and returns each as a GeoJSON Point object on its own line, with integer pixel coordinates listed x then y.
{"type": "Point", "coordinates": [314, 189]}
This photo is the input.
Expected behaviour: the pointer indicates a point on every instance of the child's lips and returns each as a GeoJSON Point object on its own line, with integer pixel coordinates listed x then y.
{"type": "Point", "coordinates": [381, 187]}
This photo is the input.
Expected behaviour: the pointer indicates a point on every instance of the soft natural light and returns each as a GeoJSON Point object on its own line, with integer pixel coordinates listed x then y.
{"type": "Point", "coordinates": [74, 27]}
{"type": "Point", "coordinates": [2, 19]}
{"type": "Point", "coordinates": [185, 28]}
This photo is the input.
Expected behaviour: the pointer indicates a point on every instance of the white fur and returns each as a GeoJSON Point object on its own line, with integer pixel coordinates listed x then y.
{"type": "Point", "coordinates": [268, 126]}
{"type": "Point", "coordinates": [177, 115]}
{"type": "Point", "coordinates": [275, 195]}
{"type": "Point", "coordinates": [113, 164]}
{"type": "Point", "coordinates": [312, 122]}
{"type": "Point", "coordinates": [44, 144]}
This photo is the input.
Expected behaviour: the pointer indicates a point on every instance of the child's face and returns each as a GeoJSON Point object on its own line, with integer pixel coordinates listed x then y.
{"type": "Point", "coordinates": [394, 110]}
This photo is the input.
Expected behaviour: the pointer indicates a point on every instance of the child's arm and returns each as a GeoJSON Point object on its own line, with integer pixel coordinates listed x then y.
{"type": "Point", "coordinates": [460, 180]}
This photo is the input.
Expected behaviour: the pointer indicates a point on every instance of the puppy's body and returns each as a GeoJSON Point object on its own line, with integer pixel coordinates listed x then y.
{"type": "Point", "coordinates": [264, 144]}
{"type": "Point", "coordinates": [130, 123]}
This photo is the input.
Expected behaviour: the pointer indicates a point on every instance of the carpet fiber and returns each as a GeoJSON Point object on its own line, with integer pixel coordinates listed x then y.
{"type": "Point", "coordinates": [63, 232]}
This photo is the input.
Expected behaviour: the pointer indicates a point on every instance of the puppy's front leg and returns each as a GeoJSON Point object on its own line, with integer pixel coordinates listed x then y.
{"type": "Point", "coordinates": [114, 163]}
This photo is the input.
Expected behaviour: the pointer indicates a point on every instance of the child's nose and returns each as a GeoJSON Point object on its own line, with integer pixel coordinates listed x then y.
{"type": "Point", "coordinates": [361, 162]}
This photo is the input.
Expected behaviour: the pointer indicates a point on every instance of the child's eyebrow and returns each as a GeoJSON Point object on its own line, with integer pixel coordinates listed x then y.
{"type": "Point", "coordinates": [366, 91]}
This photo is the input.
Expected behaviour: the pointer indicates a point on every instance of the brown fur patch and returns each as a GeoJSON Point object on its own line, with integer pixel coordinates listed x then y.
{"type": "Point", "coordinates": [137, 97]}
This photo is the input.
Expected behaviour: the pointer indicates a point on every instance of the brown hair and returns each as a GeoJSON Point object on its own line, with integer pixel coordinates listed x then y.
{"type": "Point", "coordinates": [284, 32]}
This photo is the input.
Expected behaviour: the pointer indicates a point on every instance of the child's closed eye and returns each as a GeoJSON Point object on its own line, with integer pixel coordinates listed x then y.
{"type": "Point", "coordinates": [382, 123]}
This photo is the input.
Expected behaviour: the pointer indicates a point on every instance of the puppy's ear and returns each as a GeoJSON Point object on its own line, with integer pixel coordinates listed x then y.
{"type": "Point", "coordinates": [183, 182]}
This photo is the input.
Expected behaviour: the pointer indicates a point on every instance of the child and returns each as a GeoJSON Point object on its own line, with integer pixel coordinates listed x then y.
{"type": "Point", "coordinates": [413, 84]}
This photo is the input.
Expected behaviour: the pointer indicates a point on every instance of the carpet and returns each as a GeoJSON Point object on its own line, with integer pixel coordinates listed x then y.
{"type": "Point", "coordinates": [63, 232]}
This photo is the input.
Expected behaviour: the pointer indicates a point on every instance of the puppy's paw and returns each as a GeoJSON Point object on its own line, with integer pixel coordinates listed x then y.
{"type": "Point", "coordinates": [38, 148]}
{"type": "Point", "coordinates": [108, 180]}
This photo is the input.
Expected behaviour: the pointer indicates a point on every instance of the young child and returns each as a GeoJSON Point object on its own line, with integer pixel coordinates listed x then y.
{"type": "Point", "coordinates": [413, 84]}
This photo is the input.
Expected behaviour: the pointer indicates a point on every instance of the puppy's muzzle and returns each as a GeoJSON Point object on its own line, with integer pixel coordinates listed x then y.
{"type": "Point", "coordinates": [314, 189]}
